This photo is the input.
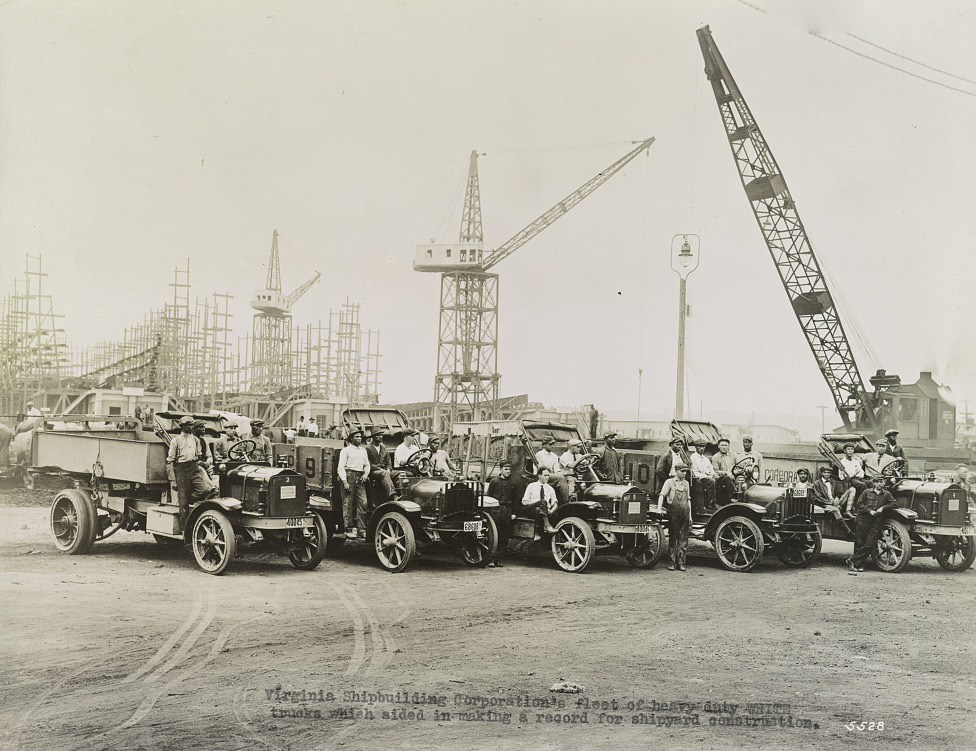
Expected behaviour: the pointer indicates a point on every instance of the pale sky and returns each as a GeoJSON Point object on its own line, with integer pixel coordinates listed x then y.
{"type": "Point", "coordinates": [136, 135]}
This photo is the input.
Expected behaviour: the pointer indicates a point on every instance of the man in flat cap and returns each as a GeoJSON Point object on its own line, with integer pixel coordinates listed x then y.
{"type": "Point", "coordinates": [875, 464]}
{"type": "Point", "coordinates": [504, 490]}
{"type": "Point", "coordinates": [184, 456]}
{"type": "Point", "coordinates": [610, 466]}
{"type": "Point", "coordinates": [674, 457]}
{"type": "Point", "coordinates": [723, 461]}
{"type": "Point", "coordinates": [893, 449]}
{"type": "Point", "coordinates": [353, 469]}
{"type": "Point", "coordinates": [702, 472]}
{"type": "Point", "coordinates": [406, 449]}
{"type": "Point", "coordinates": [222, 445]}
{"type": "Point", "coordinates": [263, 451]}
{"type": "Point", "coordinates": [443, 466]}
{"type": "Point", "coordinates": [677, 492]}
{"type": "Point", "coordinates": [546, 457]}
{"type": "Point", "coordinates": [379, 465]}
{"type": "Point", "coordinates": [749, 453]}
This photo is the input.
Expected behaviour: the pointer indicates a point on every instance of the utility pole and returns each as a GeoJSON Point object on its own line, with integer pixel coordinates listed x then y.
{"type": "Point", "coordinates": [684, 260]}
{"type": "Point", "coordinates": [823, 412]}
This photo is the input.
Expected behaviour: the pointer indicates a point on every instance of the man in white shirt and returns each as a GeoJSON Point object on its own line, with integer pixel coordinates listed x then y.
{"type": "Point", "coordinates": [313, 428]}
{"type": "Point", "coordinates": [542, 496]}
{"type": "Point", "coordinates": [874, 464]}
{"type": "Point", "coordinates": [702, 472]}
{"type": "Point", "coordinates": [443, 466]}
{"type": "Point", "coordinates": [853, 469]}
{"type": "Point", "coordinates": [406, 449]}
{"type": "Point", "coordinates": [353, 469]}
{"type": "Point", "coordinates": [546, 457]}
{"type": "Point", "coordinates": [568, 461]}
{"type": "Point", "coordinates": [184, 456]}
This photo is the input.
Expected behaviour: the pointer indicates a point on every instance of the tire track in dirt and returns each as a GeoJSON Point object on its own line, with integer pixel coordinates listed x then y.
{"type": "Point", "coordinates": [170, 642]}
{"type": "Point", "coordinates": [359, 633]}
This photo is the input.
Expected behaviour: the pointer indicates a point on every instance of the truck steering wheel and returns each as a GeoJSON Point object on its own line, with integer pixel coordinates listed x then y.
{"type": "Point", "coordinates": [242, 450]}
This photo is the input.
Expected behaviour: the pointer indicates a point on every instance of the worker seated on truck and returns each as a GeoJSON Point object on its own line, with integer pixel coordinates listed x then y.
{"type": "Point", "coordinates": [540, 499]}
{"type": "Point", "coordinates": [223, 444]}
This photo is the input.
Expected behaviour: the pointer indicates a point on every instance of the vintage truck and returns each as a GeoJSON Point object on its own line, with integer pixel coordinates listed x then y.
{"type": "Point", "coordinates": [599, 517]}
{"type": "Point", "coordinates": [425, 509]}
{"type": "Point", "coordinates": [933, 518]}
{"type": "Point", "coordinates": [120, 482]}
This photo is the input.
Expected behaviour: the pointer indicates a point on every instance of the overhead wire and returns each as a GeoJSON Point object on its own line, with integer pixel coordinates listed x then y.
{"type": "Point", "coordinates": [442, 227]}
{"type": "Point", "coordinates": [911, 60]}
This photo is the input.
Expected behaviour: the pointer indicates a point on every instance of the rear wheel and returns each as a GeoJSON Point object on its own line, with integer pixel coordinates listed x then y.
{"type": "Point", "coordinates": [73, 521]}
{"type": "Point", "coordinates": [395, 542]}
{"type": "Point", "coordinates": [214, 543]}
{"type": "Point", "coordinates": [309, 548]}
{"type": "Point", "coordinates": [478, 548]}
{"type": "Point", "coordinates": [801, 550]}
{"type": "Point", "coordinates": [893, 549]}
{"type": "Point", "coordinates": [648, 549]}
{"type": "Point", "coordinates": [955, 553]}
{"type": "Point", "coordinates": [739, 543]}
{"type": "Point", "coordinates": [573, 544]}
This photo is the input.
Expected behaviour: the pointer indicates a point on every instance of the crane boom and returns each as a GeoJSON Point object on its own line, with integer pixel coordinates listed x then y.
{"type": "Point", "coordinates": [524, 235]}
{"type": "Point", "coordinates": [294, 296]}
{"type": "Point", "coordinates": [788, 243]}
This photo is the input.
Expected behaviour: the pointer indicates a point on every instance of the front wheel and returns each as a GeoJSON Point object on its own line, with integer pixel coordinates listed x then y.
{"type": "Point", "coordinates": [801, 550]}
{"type": "Point", "coordinates": [573, 544]}
{"type": "Point", "coordinates": [73, 522]}
{"type": "Point", "coordinates": [308, 551]}
{"type": "Point", "coordinates": [648, 549]}
{"type": "Point", "coordinates": [739, 543]}
{"type": "Point", "coordinates": [478, 548]}
{"type": "Point", "coordinates": [893, 549]}
{"type": "Point", "coordinates": [395, 542]}
{"type": "Point", "coordinates": [213, 541]}
{"type": "Point", "coordinates": [956, 553]}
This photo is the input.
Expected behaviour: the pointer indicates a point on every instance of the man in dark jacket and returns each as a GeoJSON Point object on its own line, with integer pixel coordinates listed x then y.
{"type": "Point", "coordinates": [829, 493]}
{"type": "Point", "coordinates": [379, 466]}
{"type": "Point", "coordinates": [504, 490]}
{"type": "Point", "coordinates": [610, 466]}
{"type": "Point", "coordinates": [870, 507]}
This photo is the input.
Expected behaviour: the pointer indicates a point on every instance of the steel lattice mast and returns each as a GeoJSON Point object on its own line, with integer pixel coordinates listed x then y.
{"type": "Point", "coordinates": [466, 384]}
{"type": "Point", "coordinates": [788, 244]}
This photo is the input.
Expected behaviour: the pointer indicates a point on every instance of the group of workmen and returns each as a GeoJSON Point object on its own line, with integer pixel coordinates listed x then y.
{"type": "Point", "coordinates": [192, 460]}
{"type": "Point", "coordinates": [372, 463]}
{"type": "Point", "coordinates": [857, 493]}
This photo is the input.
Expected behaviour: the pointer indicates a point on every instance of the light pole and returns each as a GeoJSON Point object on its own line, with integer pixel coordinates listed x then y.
{"type": "Point", "coordinates": [684, 260]}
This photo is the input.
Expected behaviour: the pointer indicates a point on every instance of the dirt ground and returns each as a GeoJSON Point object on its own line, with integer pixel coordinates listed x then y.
{"type": "Point", "coordinates": [132, 647]}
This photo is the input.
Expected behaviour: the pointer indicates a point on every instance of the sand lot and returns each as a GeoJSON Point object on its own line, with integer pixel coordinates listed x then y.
{"type": "Point", "coordinates": [132, 647]}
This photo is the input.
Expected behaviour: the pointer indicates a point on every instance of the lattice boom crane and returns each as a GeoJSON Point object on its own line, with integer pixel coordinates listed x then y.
{"type": "Point", "coordinates": [788, 244]}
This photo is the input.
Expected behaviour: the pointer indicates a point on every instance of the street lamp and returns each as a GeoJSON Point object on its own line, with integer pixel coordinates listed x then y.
{"type": "Point", "coordinates": [684, 260]}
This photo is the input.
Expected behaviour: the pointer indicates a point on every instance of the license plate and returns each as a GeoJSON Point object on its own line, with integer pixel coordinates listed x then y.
{"type": "Point", "coordinates": [472, 526]}
{"type": "Point", "coordinates": [288, 491]}
{"type": "Point", "coordinates": [295, 521]}
{"type": "Point", "coordinates": [644, 529]}
{"type": "Point", "coordinates": [799, 492]}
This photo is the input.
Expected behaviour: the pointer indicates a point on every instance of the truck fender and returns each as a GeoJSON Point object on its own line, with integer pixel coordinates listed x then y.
{"type": "Point", "coordinates": [409, 509]}
{"type": "Point", "coordinates": [586, 510]}
{"type": "Point", "coordinates": [227, 505]}
{"type": "Point", "coordinates": [749, 510]}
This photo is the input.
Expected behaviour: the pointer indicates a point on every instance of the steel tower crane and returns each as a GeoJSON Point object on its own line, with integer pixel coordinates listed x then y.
{"type": "Point", "coordinates": [466, 384]}
{"type": "Point", "coordinates": [789, 246]}
{"type": "Point", "coordinates": [271, 358]}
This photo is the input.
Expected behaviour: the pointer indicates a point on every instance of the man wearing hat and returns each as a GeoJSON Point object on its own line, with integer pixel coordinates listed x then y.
{"type": "Point", "coordinates": [610, 467]}
{"type": "Point", "coordinates": [568, 461]}
{"type": "Point", "coordinates": [353, 469]}
{"type": "Point", "coordinates": [874, 464]}
{"type": "Point", "coordinates": [546, 457]}
{"type": "Point", "coordinates": [831, 494]}
{"type": "Point", "coordinates": [406, 449]}
{"type": "Point", "coordinates": [723, 461]}
{"type": "Point", "coordinates": [749, 453]}
{"type": "Point", "coordinates": [183, 456]}
{"type": "Point", "coordinates": [892, 448]}
{"type": "Point", "coordinates": [677, 492]}
{"type": "Point", "coordinates": [379, 464]}
{"type": "Point", "coordinates": [263, 451]}
{"type": "Point", "coordinates": [443, 467]}
{"type": "Point", "coordinates": [222, 445]}
{"type": "Point", "coordinates": [504, 490]}
{"type": "Point", "coordinates": [676, 456]}
{"type": "Point", "coordinates": [870, 507]}
{"type": "Point", "coordinates": [702, 472]}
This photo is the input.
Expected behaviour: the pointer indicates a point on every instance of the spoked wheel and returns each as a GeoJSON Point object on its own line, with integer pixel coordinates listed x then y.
{"type": "Point", "coordinates": [573, 544]}
{"type": "Point", "coordinates": [395, 542]}
{"type": "Point", "coordinates": [799, 551]}
{"type": "Point", "coordinates": [955, 553]}
{"type": "Point", "coordinates": [648, 550]}
{"type": "Point", "coordinates": [73, 520]}
{"type": "Point", "coordinates": [308, 549]}
{"type": "Point", "coordinates": [478, 548]}
{"type": "Point", "coordinates": [214, 543]}
{"type": "Point", "coordinates": [893, 550]}
{"type": "Point", "coordinates": [739, 543]}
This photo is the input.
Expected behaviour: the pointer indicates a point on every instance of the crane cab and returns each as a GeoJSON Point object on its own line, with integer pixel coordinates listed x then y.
{"type": "Point", "coordinates": [458, 256]}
